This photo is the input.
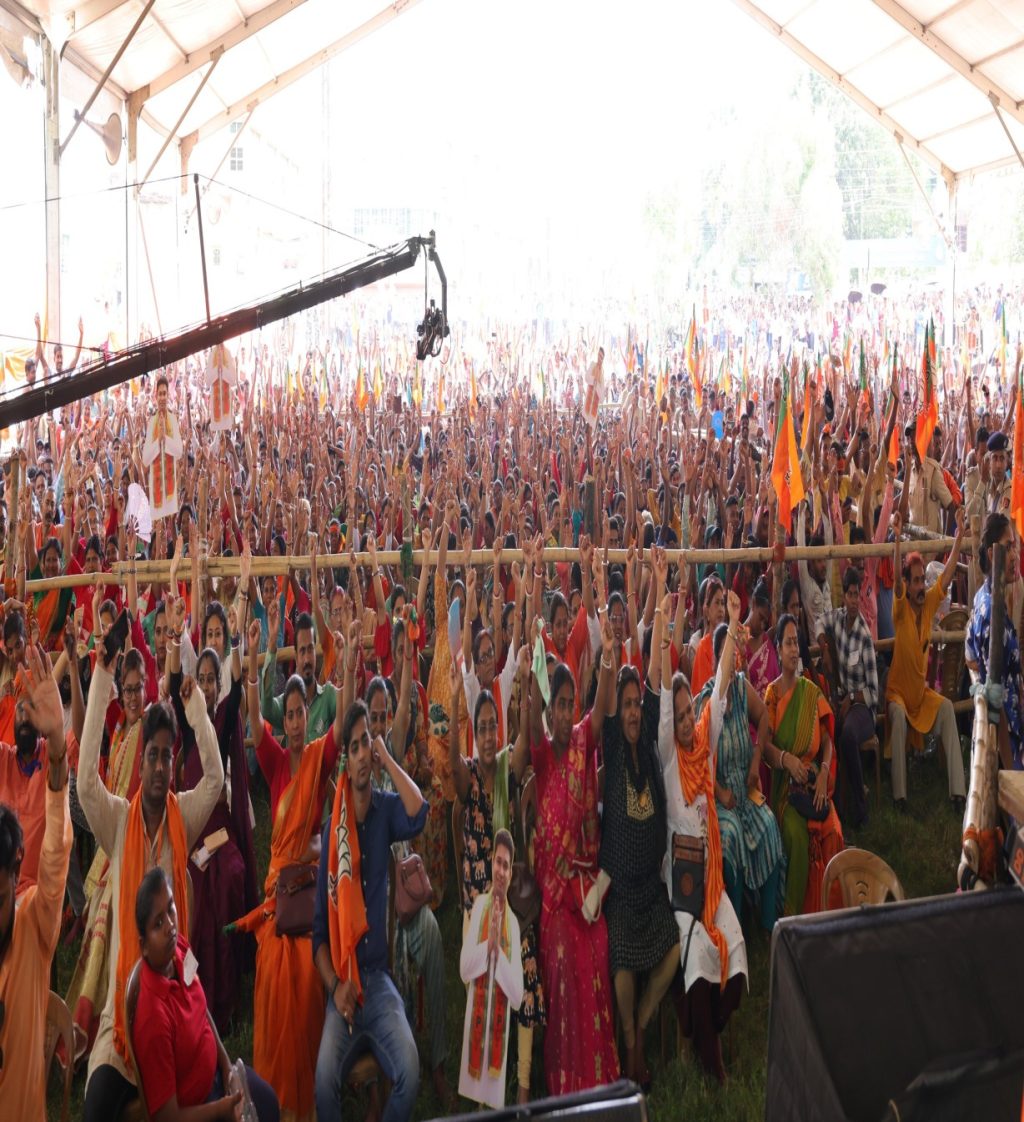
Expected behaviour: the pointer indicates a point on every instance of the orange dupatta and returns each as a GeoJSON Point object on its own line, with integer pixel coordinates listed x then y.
{"type": "Point", "coordinates": [346, 915]}
{"type": "Point", "coordinates": [695, 778]}
{"type": "Point", "coordinates": [293, 826]}
{"type": "Point", "coordinates": [703, 664]}
{"type": "Point", "coordinates": [134, 865]}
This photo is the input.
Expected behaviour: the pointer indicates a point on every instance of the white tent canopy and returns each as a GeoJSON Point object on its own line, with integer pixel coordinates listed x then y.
{"type": "Point", "coordinates": [946, 77]}
{"type": "Point", "coordinates": [190, 67]}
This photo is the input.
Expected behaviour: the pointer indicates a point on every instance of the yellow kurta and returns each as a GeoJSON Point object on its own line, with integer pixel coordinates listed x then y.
{"type": "Point", "coordinates": [909, 671]}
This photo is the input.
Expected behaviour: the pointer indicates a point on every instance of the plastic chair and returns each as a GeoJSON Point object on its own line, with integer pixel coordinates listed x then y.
{"type": "Point", "coordinates": [863, 878]}
{"type": "Point", "coordinates": [60, 1028]}
{"type": "Point", "coordinates": [953, 655]}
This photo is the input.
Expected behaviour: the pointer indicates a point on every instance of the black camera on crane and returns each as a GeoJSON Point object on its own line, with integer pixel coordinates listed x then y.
{"type": "Point", "coordinates": [431, 333]}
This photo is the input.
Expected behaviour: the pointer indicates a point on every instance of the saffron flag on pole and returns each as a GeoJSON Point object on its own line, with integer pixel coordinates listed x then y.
{"type": "Point", "coordinates": [928, 418]}
{"type": "Point", "coordinates": [894, 440]}
{"type": "Point", "coordinates": [863, 373]}
{"type": "Point", "coordinates": [786, 477]}
{"type": "Point", "coordinates": [472, 385]}
{"type": "Point", "coordinates": [691, 351]}
{"type": "Point", "coordinates": [805, 439]}
{"type": "Point", "coordinates": [362, 393]}
{"type": "Point", "coordinates": [746, 373]}
{"type": "Point", "coordinates": [1017, 468]}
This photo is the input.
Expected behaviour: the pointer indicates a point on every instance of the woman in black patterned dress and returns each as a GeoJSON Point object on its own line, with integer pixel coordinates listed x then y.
{"type": "Point", "coordinates": [643, 936]}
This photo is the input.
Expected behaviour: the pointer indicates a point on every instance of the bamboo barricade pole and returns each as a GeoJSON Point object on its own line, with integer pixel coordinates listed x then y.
{"type": "Point", "coordinates": [148, 571]}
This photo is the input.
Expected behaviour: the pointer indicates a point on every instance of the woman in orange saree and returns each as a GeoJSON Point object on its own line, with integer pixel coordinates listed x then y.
{"type": "Point", "coordinates": [288, 1000]}
{"type": "Point", "coordinates": [802, 751]}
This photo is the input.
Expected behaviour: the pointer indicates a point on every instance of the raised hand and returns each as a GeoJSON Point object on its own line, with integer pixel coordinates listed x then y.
{"type": "Point", "coordinates": [42, 698]}
{"type": "Point", "coordinates": [245, 564]}
{"type": "Point", "coordinates": [188, 688]}
{"type": "Point", "coordinates": [660, 563]}
{"type": "Point", "coordinates": [733, 604]}
{"type": "Point", "coordinates": [273, 621]}
{"type": "Point", "coordinates": [607, 638]}
{"type": "Point", "coordinates": [255, 634]}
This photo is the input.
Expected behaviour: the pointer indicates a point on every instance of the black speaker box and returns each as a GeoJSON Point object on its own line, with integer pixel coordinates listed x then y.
{"type": "Point", "coordinates": [905, 1011]}
{"type": "Point", "coordinates": [618, 1102]}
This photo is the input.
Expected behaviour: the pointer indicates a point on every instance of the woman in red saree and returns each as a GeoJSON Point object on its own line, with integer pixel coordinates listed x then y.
{"type": "Point", "coordinates": [579, 1043]}
{"type": "Point", "coordinates": [288, 999]}
{"type": "Point", "coordinates": [802, 751]}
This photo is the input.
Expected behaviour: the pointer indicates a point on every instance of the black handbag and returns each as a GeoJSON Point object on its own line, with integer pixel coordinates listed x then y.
{"type": "Point", "coordinates": [801, 798]}
{"type": "Point", "coordinates": [524, 894]}
{"type": "Point", "coordinates": [688, 874]}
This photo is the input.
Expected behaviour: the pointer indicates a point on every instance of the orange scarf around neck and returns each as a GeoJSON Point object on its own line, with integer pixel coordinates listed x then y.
{"type": "Point", "coordinates": [695, 779]}
{"type": "Point", "coordinates": [346, 912]}
{"type": "Point", "coordinates": [134, 866]}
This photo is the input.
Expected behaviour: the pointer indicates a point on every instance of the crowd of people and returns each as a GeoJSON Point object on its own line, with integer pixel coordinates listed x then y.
{"type": "Point", "coordinates": [648, 760]}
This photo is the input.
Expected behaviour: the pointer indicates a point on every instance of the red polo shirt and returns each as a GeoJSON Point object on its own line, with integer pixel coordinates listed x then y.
{"type": "Point", "coordinates": [175, 1049]}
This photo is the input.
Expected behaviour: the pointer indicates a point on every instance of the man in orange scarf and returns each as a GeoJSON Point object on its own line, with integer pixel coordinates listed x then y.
{"type": "Point", "coordinates": [350, 936]}
{"type": "Point", "coordinates": [156, 827]}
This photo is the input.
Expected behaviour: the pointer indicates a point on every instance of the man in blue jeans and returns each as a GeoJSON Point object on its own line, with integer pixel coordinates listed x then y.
{"type": "Point", "coordinates": [350, 934]}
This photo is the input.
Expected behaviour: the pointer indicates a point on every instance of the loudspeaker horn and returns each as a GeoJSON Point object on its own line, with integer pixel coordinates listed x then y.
{"type": "Point", "coordinates": [111, 133]}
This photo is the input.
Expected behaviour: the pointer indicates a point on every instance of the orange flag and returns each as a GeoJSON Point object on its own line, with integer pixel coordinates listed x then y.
{"type": "Point", "coordinates": [805, 439]}
{"type": "Point", "coordinates": [1017, 470]}
{"type": "Point", "coordinates": [362, 394]}
{"type": "Point", "coordinates": [786, 477]}
{"type": "Point", "coordinates": [928, 418]}
{"type": "Point", "coordinates": [894, 440]}
{"type": "Point", "coordinates": [472, 386]}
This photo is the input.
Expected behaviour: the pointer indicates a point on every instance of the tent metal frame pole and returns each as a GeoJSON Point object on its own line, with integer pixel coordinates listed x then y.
{"type": "Point", "coordinates": [177, 124]}
{"type": "Point", "coordinates": [895, 11]}
{"type": "Point", "coordinates": [1009, 135]}
{"type": "Point", "coordinates": [102, 81]}
{"type": "Point", "coordinates": [51, 180]}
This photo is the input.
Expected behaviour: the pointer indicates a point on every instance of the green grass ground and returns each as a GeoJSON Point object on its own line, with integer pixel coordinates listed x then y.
{"type": "Point", "coordinates": [923, 848]}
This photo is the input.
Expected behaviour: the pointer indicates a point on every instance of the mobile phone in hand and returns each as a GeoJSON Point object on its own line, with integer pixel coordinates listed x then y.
{"type": "Point", "coordinates": [116, 636]}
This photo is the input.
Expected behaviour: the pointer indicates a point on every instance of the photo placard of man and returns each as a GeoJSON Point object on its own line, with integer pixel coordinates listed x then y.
{"type": "Point", "coordinates": [491, 965]}
{"type": "Point", "coordinates": [160, 453]}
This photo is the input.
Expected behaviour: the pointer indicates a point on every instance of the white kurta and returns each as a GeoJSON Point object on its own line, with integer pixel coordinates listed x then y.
{"type": "Point", "coordinates": [108, 817]}
{"type": "Point", "coordinates": [703, 960]}
{"type": "Point", "coordinates": [508, 975]}
{"type": "Point", "coordinates": [160, 454]}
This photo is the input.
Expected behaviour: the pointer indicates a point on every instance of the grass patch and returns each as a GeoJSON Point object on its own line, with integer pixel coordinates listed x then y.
{"type": "Point", "coordinates": [923, 847]}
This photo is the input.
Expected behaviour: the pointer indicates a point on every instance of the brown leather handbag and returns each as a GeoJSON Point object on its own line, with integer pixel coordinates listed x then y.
{"type": "Point", "coordinates": [524, 894]}
{"type": "Point", "coordinates": [296, 899]}
{"type": "Point", "coordinates": [412, 888]}
{"type": "Point", "coordinates": [688, 874]}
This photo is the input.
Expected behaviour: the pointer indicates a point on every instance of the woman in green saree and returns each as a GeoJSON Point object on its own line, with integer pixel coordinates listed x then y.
{"type": "Point", "coordinates": [802, 753]}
